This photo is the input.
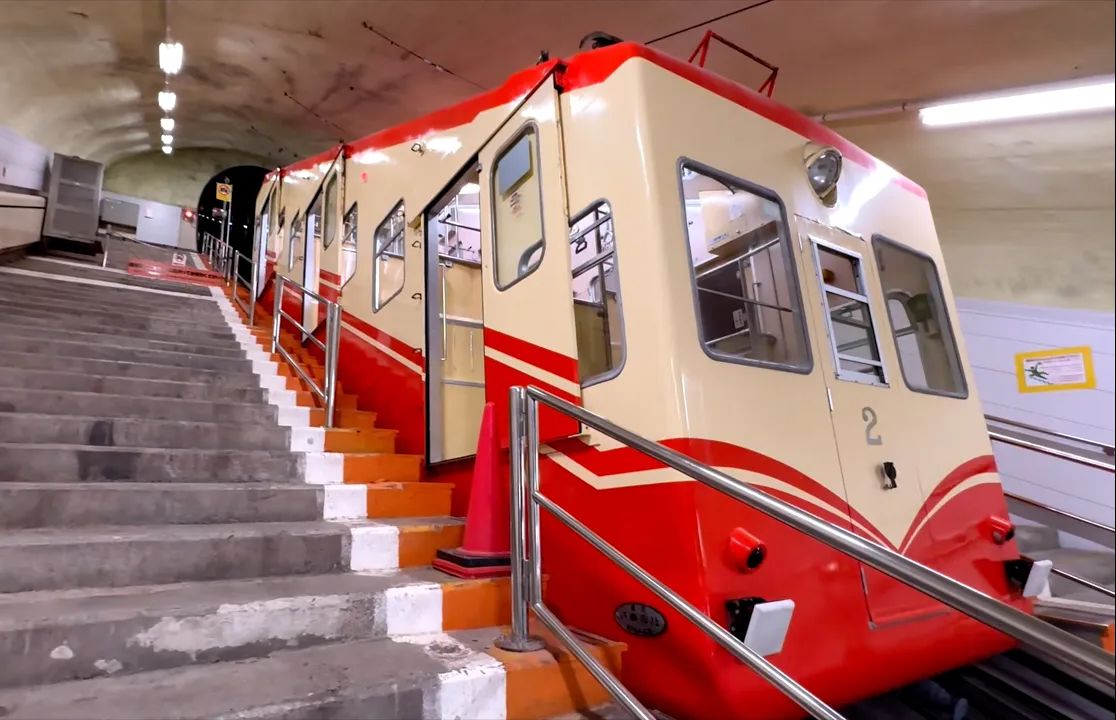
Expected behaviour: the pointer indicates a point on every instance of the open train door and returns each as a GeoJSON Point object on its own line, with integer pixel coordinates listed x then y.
{"type": "Point", "coordinates": [529, 336]}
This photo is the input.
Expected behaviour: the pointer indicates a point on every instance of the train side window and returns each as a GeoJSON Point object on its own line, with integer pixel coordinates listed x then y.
{"type": "Point", "coordinates": [923, 334]}
{"type": "Point", "coordinates": [388, 260]}
{"type": "Point", "coordinates": [349, 245]}
{"type": "Point", "coordinates": [329, 220]}
{"type": "Point", "coordinates": [293, 238]}
{"type": "Point", "coordinates": [517, 221]}
{"type": "Point", "coordinates": [598, 313]}
{"type": "Point", "coordinates": [852, 332]}
{"type": "Point", "coordinates": [745, 287]}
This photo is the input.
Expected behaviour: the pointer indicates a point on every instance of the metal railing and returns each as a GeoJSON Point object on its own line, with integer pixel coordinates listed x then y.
{"type": "Point", "coordinates": [327, 392]}
{"type": "Point", "coordinates": [1038, 446]}
{"type": "Point", "coordinates": [527, 501]}
{"type": "Point", "coordinates": [1098, 532]}
{"type": "Point", "coordinates": [248, 305]}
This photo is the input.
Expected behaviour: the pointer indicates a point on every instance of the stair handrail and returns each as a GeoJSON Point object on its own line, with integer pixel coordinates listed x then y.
{"type": "Point", "coordinates": [526, 500]}
{"type": "Point", "coordinates": [327, 392]}
{"type": "Point", "coordinates": [249, 283]}
{"type": "Point", "coordinates": [1037, 445]}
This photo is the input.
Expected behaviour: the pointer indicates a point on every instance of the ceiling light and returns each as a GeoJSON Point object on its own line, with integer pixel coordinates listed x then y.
{"type": "Point", "coordinates": [1039, 103]}
{"type": "Point", "coordinates": [470, 188]}
{"type": "Point", "coordinates": [167, 139]}
{"type": "Point", "coordinates": [167, 124]}
{"type": "Point", "coordinates": [167, 100]}
{"type": "Point", "coordinates": [170, 57]}
{"type": "Point", "coordinates": [167, 149]}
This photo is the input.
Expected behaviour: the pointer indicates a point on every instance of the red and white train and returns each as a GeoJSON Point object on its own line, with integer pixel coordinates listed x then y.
{"type": "Point", "coordinates": [709, 269]}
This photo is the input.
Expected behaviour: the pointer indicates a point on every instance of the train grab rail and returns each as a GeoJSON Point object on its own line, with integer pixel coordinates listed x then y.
{"type": "Point", "coordinates": [527, 500]}
{"type": "Point", "coordinates": [327, 392]}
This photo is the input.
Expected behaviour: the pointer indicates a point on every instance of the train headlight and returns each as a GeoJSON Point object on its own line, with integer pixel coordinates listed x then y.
{"type": "Point", "coordinates": [823, 170]}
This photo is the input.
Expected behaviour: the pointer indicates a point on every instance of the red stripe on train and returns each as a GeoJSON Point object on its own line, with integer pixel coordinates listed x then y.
{"type": "Point", "coordinates": [549, 360]}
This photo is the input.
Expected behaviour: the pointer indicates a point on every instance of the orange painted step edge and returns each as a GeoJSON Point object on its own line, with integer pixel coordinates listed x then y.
{"type": "Point", "coordinates": [344, 418]}
{"type": "Point", "coordinates": [468, 604]}
{"type": "Point", "coordinates": [408, 499]}
{"type": "Point", "coordinates": [419, 543]}
{"type": "Point", "coordinates": [363, 468]}
{"type": "Point", "coordinates": [552, 681]}
{"type": "Point", "coordinates": [1106, 638]}
{"type": "Point", "coordinates": [369, 440]}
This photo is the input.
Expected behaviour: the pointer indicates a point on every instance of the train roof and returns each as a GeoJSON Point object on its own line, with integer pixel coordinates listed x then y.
{"type": "Point", "coordinates": [594, 67]}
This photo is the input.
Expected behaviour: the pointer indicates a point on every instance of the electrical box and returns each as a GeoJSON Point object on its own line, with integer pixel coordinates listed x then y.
{"type": "Point", "coordinates": [74, 199]}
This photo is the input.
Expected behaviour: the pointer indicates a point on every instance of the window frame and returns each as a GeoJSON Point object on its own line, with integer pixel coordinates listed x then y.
{"type": "Point", "coordinates": [789, 259]}
{"type": "Point", "coordinates": [955, 357]}
{"type": "Point", "coordinates": [291, 239]}
{"type": "Point", "coordinates": [595, 263]}
{"type": "Point", "coordinates": [527, 127]}
{"type": "Point", "coordinates": [864, 298]}
{"type": "Point", "coordinates": [377, 306]}
{"type": "Point", "coordinates": [356, 242]}
{"type": "Point", "coordinates": [331, 179]}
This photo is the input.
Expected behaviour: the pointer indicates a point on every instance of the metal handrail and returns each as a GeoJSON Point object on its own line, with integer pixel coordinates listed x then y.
{"type": "Point", "coordinates": [1040, 448]}
{"type": "Point", "coordinates": [331, 347]}
{"type": "Point", "coordinates": [1073, 652]}
{"type": "Point", "coordinates": [1076, 518]}
{"type": "Point", "coordinates": [249, 283]}
{"type": "Point", "coordinates": [1105, 447]}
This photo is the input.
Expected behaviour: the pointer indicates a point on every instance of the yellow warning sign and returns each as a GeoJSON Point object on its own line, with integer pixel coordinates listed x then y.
{"type": "Point", "coordinates": [224, 192]}
{"type": "Point", "coordinates": [1060, 369]}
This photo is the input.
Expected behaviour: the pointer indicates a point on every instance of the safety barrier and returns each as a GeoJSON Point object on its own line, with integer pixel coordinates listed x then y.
{"type": "Point", "coordinates": [1040, 443]}
{"type": "Point", "coordinates": [330, 347]}
{"type": "Point", "coordinates": [527, 501]}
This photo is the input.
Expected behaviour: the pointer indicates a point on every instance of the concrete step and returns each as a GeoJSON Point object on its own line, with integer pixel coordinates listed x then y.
{"type": "Point", "coordinates": [80, 382]}
{"type": "Point", "coordinates": [1031, 538]}
{"type": "Point", "coordinates": [47, 332]}
{"type": "Point", "coordinates": [409, 499]}
{"type": "Point", "coordinates": [377, 679]}
{"type": "Point", "coordinates": [21, 462]}
{"type": "Point", "coordinates": [182, 336]}
{"type": "Point", "coordinates": [94, 272]}
{"type": "Point", "coordinates": [154, 627]}
{"type": "Point", "coordinates": [116, 556]}
{"type": "Point", "coordinates": [1094, 565]}
{"type": "Point", "coordinates": [183, 329]}
{"type": "Point", "coordinates": [108, 296]}
{"type": "Point", "coordinates": [141, 305]}
{"type": "Point", "coordinates": [32, 505]}
{"type": "Point", "coordinates": [123, 368]}
{"type": "Point", "coordinates": [146, 433]}
{"type": "Point", "coordinates": [61, 402]}
{"type": "Point", "coordinates": [43, 306]}
{"type": "Point", "coordinates": [100, 351]}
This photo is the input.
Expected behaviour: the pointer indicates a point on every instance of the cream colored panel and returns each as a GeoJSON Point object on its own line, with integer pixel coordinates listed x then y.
{"type": "Point", "coordinates": [462, 407]}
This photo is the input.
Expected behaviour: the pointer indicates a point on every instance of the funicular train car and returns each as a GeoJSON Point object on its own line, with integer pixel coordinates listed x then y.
{"type": "Point", "coordinates": [709, 269]}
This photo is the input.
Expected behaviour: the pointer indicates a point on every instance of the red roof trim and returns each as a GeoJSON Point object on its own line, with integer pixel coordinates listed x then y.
{"type": "Point", "coordinates": [595, 67]}
{"type": "Point", "coordinates": [306, 163]}
{"type": "Point", "coordinates": [591, 68]}
{"type": "Point", "coordinates": [463, 112]}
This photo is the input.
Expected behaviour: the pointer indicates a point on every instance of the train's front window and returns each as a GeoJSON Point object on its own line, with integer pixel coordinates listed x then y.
{"type": "Point", "coordinates": [852, 332]}
{"type": "Point", "coordinates": [747, 298]}
{"type": "Point", "coordinates": [916, 306]}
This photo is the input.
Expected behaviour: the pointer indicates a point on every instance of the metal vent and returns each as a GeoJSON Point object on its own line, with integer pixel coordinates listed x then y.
{"type": "Point", "coordinates": [74, 201]}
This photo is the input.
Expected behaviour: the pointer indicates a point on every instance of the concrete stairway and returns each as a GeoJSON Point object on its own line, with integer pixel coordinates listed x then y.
{"type": "Point", "coordinates": [178, 539]}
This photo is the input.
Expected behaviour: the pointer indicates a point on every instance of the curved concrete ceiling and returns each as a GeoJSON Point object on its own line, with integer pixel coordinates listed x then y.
{"type": "Point", "coordinates": [282, 80]}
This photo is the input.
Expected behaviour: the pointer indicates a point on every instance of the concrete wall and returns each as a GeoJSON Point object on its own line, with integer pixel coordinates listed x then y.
{"type": "Point", "coordinates": [23, 164]}
{"type": "Point", "coordinates": [175, 179]}
{"type": "Point", "coordinates": [1025, 210]}
{"type": "Point", "coordinates": [994, 333]}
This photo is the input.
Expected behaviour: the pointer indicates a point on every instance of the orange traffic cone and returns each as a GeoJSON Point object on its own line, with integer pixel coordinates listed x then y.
{"type": "Point", "coordinates": [486, 548]}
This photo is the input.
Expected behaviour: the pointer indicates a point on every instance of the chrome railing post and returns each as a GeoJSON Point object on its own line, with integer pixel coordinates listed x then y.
{"type": "Point", "coordinates": [254, 286]}
{"type": "Point", "coordinates": [333, 345]}
{"type": "Point", "coordinates": [277, 318]}
{"type": "Point", "coordinates": [519, 639]}
{"type": "Point", "coordinates": [534, 539]}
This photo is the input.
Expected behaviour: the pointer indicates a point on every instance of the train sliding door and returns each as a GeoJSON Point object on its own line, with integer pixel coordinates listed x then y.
{"type": "Point", "coordinates": [877, 430]}
{"type": "Point", "coordinates": [529, 335]}
{"type": "Point", "coordinates": [455, 321]}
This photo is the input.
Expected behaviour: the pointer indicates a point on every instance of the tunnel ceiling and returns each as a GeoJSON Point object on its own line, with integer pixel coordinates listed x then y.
{"type": "Point", "coordinates": [285, 79]}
